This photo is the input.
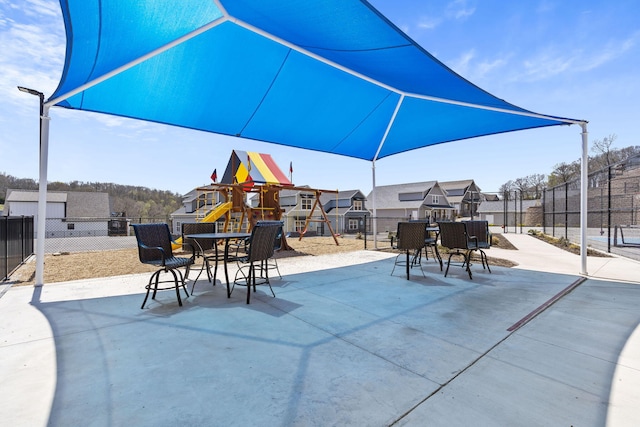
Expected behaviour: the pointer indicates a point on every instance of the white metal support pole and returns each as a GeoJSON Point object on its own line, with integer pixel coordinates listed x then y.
{"type": "Point", "coordinates": [373, 201]}
{"type": "Point", "coordinates": [584, 182]}
{"type": "Point", "coordinates": [42, 196]}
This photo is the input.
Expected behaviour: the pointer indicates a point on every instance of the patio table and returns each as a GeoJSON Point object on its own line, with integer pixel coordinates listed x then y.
{"type": "Point", "coordinates": [216, 237]}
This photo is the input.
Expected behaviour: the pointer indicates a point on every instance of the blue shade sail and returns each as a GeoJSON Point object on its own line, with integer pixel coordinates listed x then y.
{"type": "Point", "coordinates": [333, 76]}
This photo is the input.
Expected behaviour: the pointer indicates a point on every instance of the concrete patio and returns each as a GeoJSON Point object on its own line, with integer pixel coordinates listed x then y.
{"type": "Point", "coordinates": [343, 343]}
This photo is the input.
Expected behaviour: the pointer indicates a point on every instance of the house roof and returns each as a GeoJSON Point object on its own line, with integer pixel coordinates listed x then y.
{"type": "Point", "coordinates": [460, 184]}
{"type": "Point", "coordinates": [80, 204]}
{"type": "Point", "coordinates": [456, 190]}
{"type": "Point", "coordinates": [340, 195]}
{"type": "Point", "coordinates": [85, 204]}
{"type": "Point", "coordinates": [32, 196]}
{"type": "Point", "coordinates": [387, 196]}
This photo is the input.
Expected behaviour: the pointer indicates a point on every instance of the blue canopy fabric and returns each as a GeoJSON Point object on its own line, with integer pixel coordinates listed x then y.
{"type": "Point", "coordinates": [334, 76]}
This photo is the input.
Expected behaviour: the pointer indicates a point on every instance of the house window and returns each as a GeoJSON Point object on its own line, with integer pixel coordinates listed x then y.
{"type": "Point", "coordinates": [71, 226]}
{"type": "Point", "coordinates": [300, 225]}
{"type": "Point", "coordinates": [357, 205]}
{"type": "Point", "coordinates": [435, 200]}
{"type": "Point", "coordinates": [353, 224]}
{"type": "Point", "coordinates": [305, 204]}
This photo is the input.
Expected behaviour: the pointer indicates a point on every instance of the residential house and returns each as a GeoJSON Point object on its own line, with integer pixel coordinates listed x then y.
{"type": "Point", "coordinates": [69, 214]}
{"type": "Point", "coordinates": [296, 204]}
{"type": "Point", "coordinates": [195, 205]}
{"type": "Point", "coordinates": [418, 200]}
{"type": "Point", "coordinates": [346, 211]}
{"type": "Point", "coordinates": [464, 196]}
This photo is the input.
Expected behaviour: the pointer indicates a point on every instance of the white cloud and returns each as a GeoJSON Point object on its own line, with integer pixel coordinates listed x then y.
{"type": "Point", "coordinates": [470, 66]}
{"type": "Point", "coordinates": [428, 23]}
{"type": "Point", "coordinates": [556, 60]}
{"type": "Point", "coordinates": [42, 8]}
{"type": "Point", "coordinates": [460, 9]}
{"type": "Point", "coordinates": [32, 55]}
{"type": "Point", "coordinates": [462, 64]}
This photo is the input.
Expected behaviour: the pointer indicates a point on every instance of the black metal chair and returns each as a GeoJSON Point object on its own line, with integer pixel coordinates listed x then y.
{"type": "Point", "coordinates": [272, 263]}
{"type": "Point", "coordinates": [454, 237]}
{"type": "Point", "coordinates": [410, 237]}
{"type": "Point", "coordinates": [480, 229]}
{"type": "Point", "coordinates": [260, 249]}
{"type": "Point", "coordinates": [154, 248]}
{"type": "Point", "coordinates": [204, 248]}
{"type": "Point", "coordinates": [430, 244]}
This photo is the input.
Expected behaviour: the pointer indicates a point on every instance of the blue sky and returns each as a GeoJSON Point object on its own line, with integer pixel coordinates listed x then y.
{"type": "Point", "coordinates": [577, 59]}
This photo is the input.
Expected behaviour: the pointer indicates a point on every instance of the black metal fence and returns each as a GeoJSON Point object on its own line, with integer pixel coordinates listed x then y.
{"type": "Point", "coordinates": [16, 242]}
{"type": "Point", "coordinates": [613, 208]}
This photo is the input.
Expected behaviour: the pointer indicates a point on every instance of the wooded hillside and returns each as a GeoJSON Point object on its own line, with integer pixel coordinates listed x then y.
{"type": "Point", "coordinates": [134, 201]}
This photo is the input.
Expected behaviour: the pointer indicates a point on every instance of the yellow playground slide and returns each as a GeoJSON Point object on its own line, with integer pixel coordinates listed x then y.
{"type": "Point", "coordinates": [212, 216]}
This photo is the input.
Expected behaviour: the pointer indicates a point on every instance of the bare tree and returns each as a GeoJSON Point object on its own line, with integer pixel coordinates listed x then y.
{"type": "Point", "coordinates": [506, 188]}
{"type": "Point", "coordinates": [603, 148]}
{"type": "Point", "coordinates": [522, 185]}
{"type": "Point", "coordinates": [564, 172]}
{"type": "Point", "coordinates": [537, 182]}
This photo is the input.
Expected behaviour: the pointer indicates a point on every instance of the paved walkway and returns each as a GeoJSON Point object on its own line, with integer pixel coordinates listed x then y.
{"type": "Point", "coordinates": [344, 343]}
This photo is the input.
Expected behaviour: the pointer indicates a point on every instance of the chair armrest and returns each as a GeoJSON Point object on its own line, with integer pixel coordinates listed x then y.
{"type": "Point", "coordinates": [157, 248]}
{"type": "Point", "coordinates": [473, 239]}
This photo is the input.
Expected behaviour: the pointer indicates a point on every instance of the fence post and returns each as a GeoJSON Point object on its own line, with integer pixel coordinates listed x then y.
{"type": "Point", "coordinates": [609, 209]}
{"type": "Point", "coordinates": [521, 217]}
{"type": "Point", "coordinates": [5, 224]}
{"type": "Point", "coordinates": [544, 210]}
{"type": "Point", "coordinates": [364, 220]}
{"type": "Point", "coordinates": [553, 215]}
{"type": "Point", "coordinates": [566, 210]}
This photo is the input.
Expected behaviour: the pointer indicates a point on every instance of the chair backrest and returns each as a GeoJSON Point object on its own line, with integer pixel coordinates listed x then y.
{"type": "Point", "coordinates": [263, 236]}
{"type": "Point", "coordinates": [277, 244]}
{"type": "Point", "coordinates": [480, 229]}
{"type": "Point", "coordinates": [153, 235]}
{"type": "Point", "coordinates": [198, 228]}
{"type": "Point", "coordinates": [411, 235]}
{"type": "Point", "coordinates": [453, 235]}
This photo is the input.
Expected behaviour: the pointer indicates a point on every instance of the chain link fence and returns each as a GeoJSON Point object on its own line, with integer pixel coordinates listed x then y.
{"type": "Point", "coordinates": [92, 234]}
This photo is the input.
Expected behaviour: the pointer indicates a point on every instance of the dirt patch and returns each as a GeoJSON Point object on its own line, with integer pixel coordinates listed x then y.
{"type": "Point", "coordinates": [88, 265]}
{"type": "Point", "coordinates": [565, 244]}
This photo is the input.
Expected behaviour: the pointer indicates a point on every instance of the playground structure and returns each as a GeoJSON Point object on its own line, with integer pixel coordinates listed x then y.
{"type": "Point", "coordinates": [250, 173]}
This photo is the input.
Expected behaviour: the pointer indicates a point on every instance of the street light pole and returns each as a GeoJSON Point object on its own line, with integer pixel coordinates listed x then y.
{"type": "Point", "coordinates": [42, 184]}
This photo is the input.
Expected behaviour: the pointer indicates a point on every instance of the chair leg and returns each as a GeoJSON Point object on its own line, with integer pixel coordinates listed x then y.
{"type": "Point", "coordinates": [252, 276]}
{"type": "Point", "coordinates": [175, 280]}
{"type": "Point", "coordinates": [395, 263]}
{"type": "Point", "coordinates": [467, 257]}
{"type": "Point", "coordinates": [184, 280]}
{"type": "Point", "coordinates": [434, 251]}
{"type": "Point", "coordinates": [483, 256]}
{"type": "Point", "coordinates": [448, 263]}
{"type": "Point", "coordinates": [266, 276]}
{"type": "Point", "coordinates": [149, 287]}
{"type": "Point", "coordinates": [155, 287]}
{"type": "Point", "coordinates": [408, 264]}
